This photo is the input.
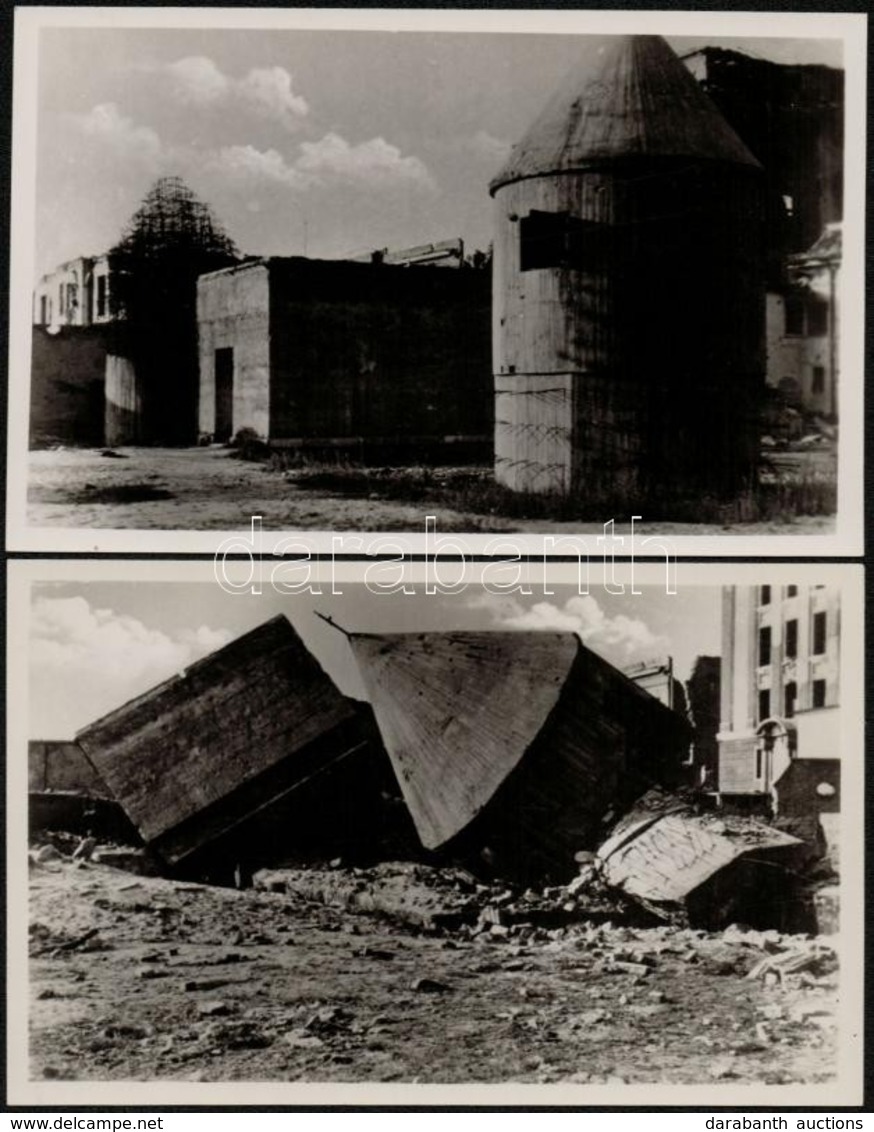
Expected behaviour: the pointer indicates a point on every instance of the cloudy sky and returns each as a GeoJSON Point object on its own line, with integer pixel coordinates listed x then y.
{"type": "Point", "coordinates": [325, 141]}
{"type": "Point", "coordinates": [95, 645]}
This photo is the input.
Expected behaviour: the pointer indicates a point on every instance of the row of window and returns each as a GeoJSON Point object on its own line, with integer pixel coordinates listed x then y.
{"type": "Point", "coordinates": [68, 300]}
{"type": "Point", "coordinates": [790, 638]}
{"type": "Point", "coordinates": [765, 593]}
{"type": "Point", "coordinates": [790, 697]}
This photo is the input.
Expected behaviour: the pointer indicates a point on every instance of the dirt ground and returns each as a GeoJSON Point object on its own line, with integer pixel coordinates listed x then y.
{"type": "Point", "coordinates": [205, 489]}
{"type": "Point", "coordinates": [149, 979]}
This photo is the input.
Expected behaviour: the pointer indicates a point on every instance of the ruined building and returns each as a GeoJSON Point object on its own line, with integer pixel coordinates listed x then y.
{"type": "Point", "coordinates": [628, 287]}
{"type": "Point", "coordinates": [780, 700]}
{"type": "Point", "coordinates": [151, 391]}
{"type": "Point", "coordinates": [114, 356]}
{"type": "Point", "coordinates": [803, 321]}
{"type": "Point", "coordinates": [75, 294]}
{"type": "Point", "coordinates": [791, 116]}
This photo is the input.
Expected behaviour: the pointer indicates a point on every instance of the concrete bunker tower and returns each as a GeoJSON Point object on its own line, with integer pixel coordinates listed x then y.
{"type": "Point", "coordinates": [628, 288]}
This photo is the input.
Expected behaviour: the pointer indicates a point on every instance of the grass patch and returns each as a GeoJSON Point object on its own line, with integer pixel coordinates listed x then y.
{"type": "Point", "coordinates": [119, 493]}
{"type": "Point", "coordinates": [474, 490]}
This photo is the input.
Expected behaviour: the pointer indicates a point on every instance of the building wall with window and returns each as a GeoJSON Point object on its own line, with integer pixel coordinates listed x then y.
{"type": "Point", "coordinates": [780, 692]}
{"type": "Point", "coordinates": [77, 293]}
{"type": "Point", "coordinates": [802, 328]}
{"type": "Point", "coordinates": [798, 351]}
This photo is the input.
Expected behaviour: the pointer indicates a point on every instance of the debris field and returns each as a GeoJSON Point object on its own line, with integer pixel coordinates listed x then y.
{"type": "Point", "coordinates": [146, 978]}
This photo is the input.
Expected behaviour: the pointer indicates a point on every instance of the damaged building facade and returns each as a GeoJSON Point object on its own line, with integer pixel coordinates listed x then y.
{"type": "Point", "coordinates": [76, 294]}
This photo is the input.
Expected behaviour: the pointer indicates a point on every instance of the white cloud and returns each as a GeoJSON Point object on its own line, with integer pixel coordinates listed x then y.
{"type": "Point", "coordinates": [86, 661]}
{"type": "Point", "coordinates": [106, 125]}
{"type": "Point", "coordinates": [375, 162]}
{"type": "Point", "coordinates": [197, 80]}
{"type": "Point", "coordinates": [621, 636]}
{"type": "Point", "coordinates": [245, 162]}
{"type": "Point", "coordinates": [267, 91]}
{"type": "Point", "coordinates": [332, 161]}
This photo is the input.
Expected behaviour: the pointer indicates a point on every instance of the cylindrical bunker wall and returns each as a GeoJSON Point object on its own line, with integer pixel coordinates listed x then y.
{"type": "Point", "coordinates": [628, 289]}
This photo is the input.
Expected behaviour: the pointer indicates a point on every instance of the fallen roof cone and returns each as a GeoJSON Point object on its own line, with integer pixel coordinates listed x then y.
{"type": "Point", "coordinates": [530, 729]}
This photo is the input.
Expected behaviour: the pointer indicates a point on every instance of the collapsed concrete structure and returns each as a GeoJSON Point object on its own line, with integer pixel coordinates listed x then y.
{"type": "Point", "coordinates": [516, 755]}
{"type": "Point", "coordinates": [238, 752]}
{"type": "Point", "coordinates": [515, 747]}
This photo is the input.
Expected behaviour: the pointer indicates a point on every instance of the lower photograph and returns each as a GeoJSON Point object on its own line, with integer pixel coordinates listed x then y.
{"type": "Point", "coordinates": [502, 834]}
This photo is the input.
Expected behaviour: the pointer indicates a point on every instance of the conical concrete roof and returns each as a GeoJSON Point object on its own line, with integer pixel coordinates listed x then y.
{"type": "Point", "coordinates": [457, 712]}
{"type": "Point", "coordinates": [629, 96]}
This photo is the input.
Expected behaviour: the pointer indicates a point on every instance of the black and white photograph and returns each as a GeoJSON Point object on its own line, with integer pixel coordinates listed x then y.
{"type": "Point", "coordinates": [524, 273]}
{"type": "Point", "coordinates": [378, 837]}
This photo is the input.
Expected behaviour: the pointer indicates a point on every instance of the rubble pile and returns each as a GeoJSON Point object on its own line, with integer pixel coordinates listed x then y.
{"type": "Point", "coordinates": [144, 977]}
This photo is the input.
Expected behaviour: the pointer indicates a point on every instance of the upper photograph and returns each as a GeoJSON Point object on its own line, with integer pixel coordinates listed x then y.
{"type": "Point", "coordinates": [520, 278]}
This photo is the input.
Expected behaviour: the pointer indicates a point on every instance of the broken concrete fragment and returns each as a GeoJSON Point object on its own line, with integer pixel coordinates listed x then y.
{"type": "Point", "coordinates": [205, 984]}
{"type": "Point", "coordinates": [429, 986]}
{"type": "Point", "coordinates": [675, 861]}
{"type": "Point", "coordinates": [300, 1039]}
{"type": "Point", "coordinates": [85, 849]}
{"type": "Point", "coordinates": [214, 1009]}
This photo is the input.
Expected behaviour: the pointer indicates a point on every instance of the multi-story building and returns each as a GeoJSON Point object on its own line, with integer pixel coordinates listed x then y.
{"type": "Point", "coordinates": [74, 294]}
{"type": "Point", "coordinates": [779, 736]}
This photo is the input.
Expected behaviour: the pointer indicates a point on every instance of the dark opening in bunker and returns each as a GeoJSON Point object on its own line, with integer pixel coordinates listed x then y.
{"type": "Point", "coordinates": [557, 239]}
{"type": "Point", "coordinates": [224, 393]}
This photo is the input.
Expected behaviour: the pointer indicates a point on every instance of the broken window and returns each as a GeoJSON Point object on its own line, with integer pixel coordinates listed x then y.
{"type": "Point", "coordinates": [790, 695]}
{"type": "Point", "coordinates": [765, 645]}
{"type": "Point", "coordinates": [818, 633]}
{"type": "Point", "coordinates": [557, 239]}
{"type": "Point", "coordinates": [791, 639]}
{"type": "Point", "coordinates": [794, 314]}
{"type": "Point", "coordinates": [818, 694]}
{"type": "Point", "coordinates": [817, 318]}
{"type": "Point", "coordinates": [818, 385]}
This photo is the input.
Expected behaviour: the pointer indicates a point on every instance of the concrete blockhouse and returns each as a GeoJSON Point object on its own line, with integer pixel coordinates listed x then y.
{"type": "Point", "coordinates": [341, 355]}
{"type": "Point", "coordinates": [628, 287]}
